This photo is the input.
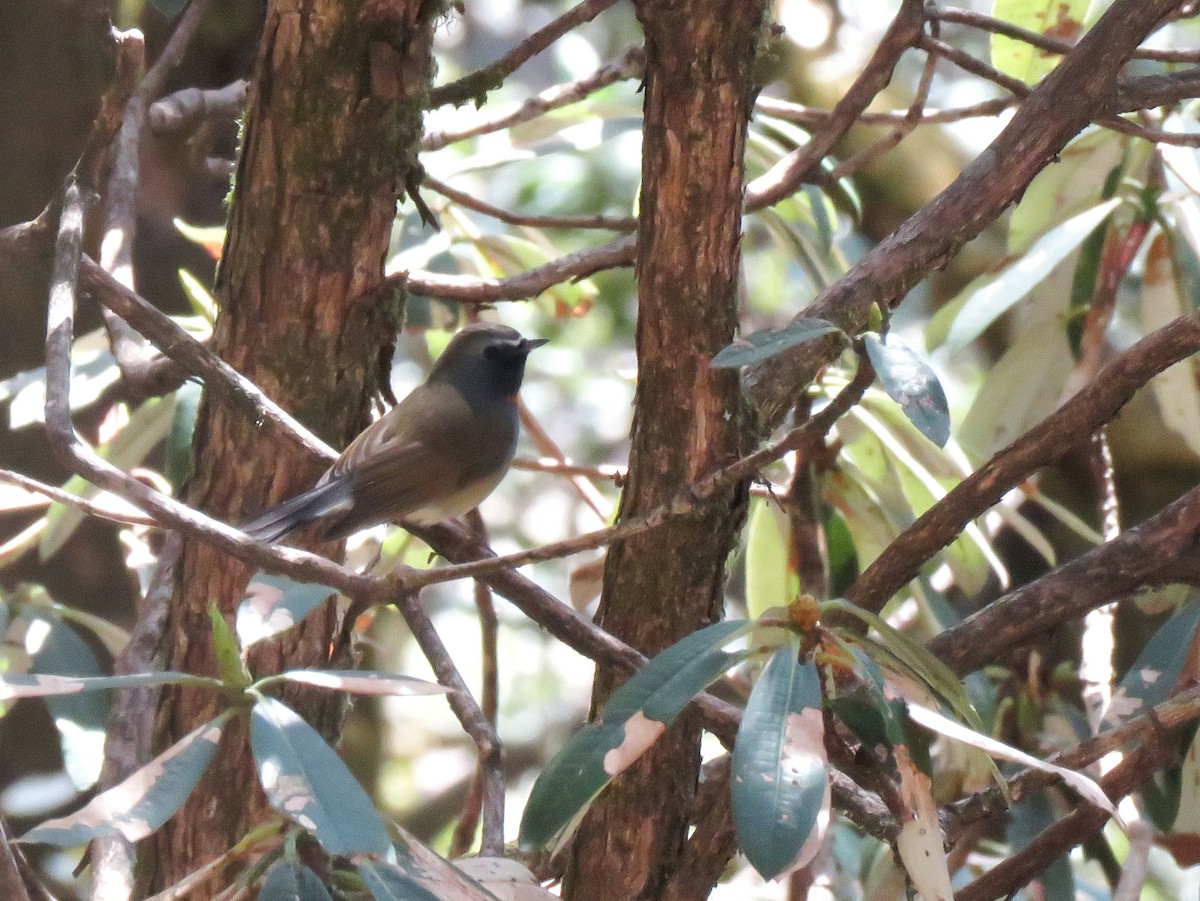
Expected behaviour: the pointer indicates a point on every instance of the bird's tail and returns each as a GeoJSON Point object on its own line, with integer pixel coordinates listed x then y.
{"type": "Point", "coordinates": [316, 503]}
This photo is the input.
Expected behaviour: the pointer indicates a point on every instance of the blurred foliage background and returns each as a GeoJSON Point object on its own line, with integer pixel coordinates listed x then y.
{"type": "Point", "coordinates": [583, 160]}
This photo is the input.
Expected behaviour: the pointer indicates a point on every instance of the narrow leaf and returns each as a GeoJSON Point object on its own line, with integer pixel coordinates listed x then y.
{"type": "Point", "coordinates": [919, 842]}
{"type": "Point", "coordinates": [179, 461]}
{"type": "Point", "coordinates": [762, 345]}
{"type": "Point", "coordinates": [770, 581]}
{"type": "Point", "coordinates": [145, 800]}
{"type": "Point", "coordinates": [780, 787]}
{"type": "Point", "coordinates": [273, 604]}
{"type": "Point", "coordinates": [948, 727]}
{"type": "Point", "coordinates": [364, 682]}
{"type": "Point", "coordinates": [229, 659]}
{"type": "Point", "coordinates": [44, 685]}
{"type": "Point", "coordinates": [916, 661]}
{"type": "Point", "coordinates": [1175, 389]}
{"type": "Point", "coordinates": [289, 880]}
{"type": "Point", "coordinates": [911, 382]}
{"type": "Point", "coordinates": [995, 298]}
{"type": "Point", "coordinates": [632, 720]}
{"type": "Point", "coordinates": [306, 781]}
{"type": "Point", "coordinates": [388, 883]}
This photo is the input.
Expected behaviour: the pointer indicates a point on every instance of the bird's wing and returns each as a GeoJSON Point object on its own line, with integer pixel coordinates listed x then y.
{"type": "Point", "coordinates": [426, 448]}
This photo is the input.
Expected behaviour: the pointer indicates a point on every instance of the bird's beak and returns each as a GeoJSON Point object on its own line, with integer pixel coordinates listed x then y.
{"type": "Point", "coordinates": [528, 344]}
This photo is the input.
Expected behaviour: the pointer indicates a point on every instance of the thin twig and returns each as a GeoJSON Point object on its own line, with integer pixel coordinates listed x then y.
{"type": "Point", "coordinates": [474, 289]}
{"type": "Point", "coordinates": [1040, 40]}
{"type": "Point", "coordinates": [185, 109]}
{"type": "Point", "coordinates": [911, 120]}
{"type": "Point", "coordinates": [53, 493]}
{"type": "Point", "coordinates": [611, 223]}
{"type": "Point", "coordinates": [476, 85]}
{"type": "Point", "coordinates": [547, 445]}
{"type": "Point", "coordinates": [794, 169]}
{"type": "Point", "coordinates": [630, 65]}
{"type": "Point", "coordinates": [470, 715]}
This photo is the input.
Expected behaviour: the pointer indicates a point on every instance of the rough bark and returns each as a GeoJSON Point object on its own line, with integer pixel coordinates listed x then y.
{"type": "Point", "coordinates": [700, 58]}
{"type": "Point", "coordinates": [333, 118]}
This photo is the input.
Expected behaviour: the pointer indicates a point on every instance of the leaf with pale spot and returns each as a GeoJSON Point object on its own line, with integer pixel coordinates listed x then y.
{"type": "Point", "coordinates": [273, 604]}
{"type": "Point", "coordinates": [759, 346]}
{"type": "Point", "coordinates": [780, 784]}
{"type": "Point", "coordinates": [911, 382]}
{"type": "Point", "coordinates": [290, 880]}
{"type": "Point", "coordinates": [1157, 669]}
{"type": "Point", "coordinates": [142, 802]}
{"type": "Point", "coordinates": [305, 780]}
{"type": "Point", "coordinates": [631, 721]}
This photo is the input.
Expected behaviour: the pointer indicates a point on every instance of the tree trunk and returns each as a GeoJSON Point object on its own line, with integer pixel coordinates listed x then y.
{"type": "Point", "coordinates": [334, 116]}
{"type": "Point", "coordinates": [660, 586]}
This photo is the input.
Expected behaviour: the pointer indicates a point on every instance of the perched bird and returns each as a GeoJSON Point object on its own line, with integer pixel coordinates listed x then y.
{"type": "Point", "coordinates": [435, 455]}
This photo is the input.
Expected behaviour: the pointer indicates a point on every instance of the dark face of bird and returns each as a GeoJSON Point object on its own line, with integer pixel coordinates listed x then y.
{"type": "Point", "coordinates": [485, 361]}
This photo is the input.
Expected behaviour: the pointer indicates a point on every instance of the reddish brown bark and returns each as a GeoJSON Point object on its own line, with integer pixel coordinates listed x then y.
{"type": "Point", "coordinates": [663, 585]}
{"type": "Point", "coordinates": [334, 114]}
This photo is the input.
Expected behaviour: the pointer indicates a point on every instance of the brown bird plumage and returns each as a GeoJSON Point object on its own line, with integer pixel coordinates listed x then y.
{"type": "Point", "coordinates": [434, 456]}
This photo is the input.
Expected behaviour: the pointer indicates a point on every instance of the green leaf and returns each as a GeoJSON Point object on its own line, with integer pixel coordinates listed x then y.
{"type": "Point", "coordinates": [179, 459]}
{"type": "Point", "coordinates": [913, 658]}
{"type": "Point", "coordinates": [145, 800]}
{"type": "Point", "coordinates": [1163, 300]}
{"type": "Point", "coordinates": [1062, 19]}
{"type": "Point", "coordinates": [911, 382]}
{"type": "Point", "coordinates": [273, 604]}
{"type": "Point", "coordinates": [363, 682]}
{"type": "Point", "coordinates": [780, 787]}
{"type": "Point", "coordinates": [56, 649]}
{"type": "Point", "coordinates": [989, 302]}
{"type": "Point", "coordinates": [759, 346]}
{"type": "Point", "coordinates": [229, 658]}
{"type": "Point", "coordinates": [289, 880]}
{"type": "Point", "coordinates": [632, 720]}
{"type": "Point", "coordinates": [770, 581]}
{"type": "Point", "coordinates": [147, 426]}
{"type": "Point", "coordinates": [44, 685]}
{"type": "Point", "coordinates": [305, 780]}
{"type": "Point", "coordinates": [93, 369]}
{"type": "Point", "coordinates": [198, 296]}
{"type": "Point", "coordinates": [114, 638]}
{"type": "Point", "coordinates": [1031, 816]}
{"type": "Point", "coordinates": [388, 883]}
{"type": "Point", "coordinates": [1155, 673]}
{"type": "Point", "coordinates": [169, 8]}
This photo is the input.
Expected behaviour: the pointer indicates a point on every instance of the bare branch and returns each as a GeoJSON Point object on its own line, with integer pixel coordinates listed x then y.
{"type": "Point", "coordinates": [476, 85]}
{"type": "Point", "coordinates": [1058, 433]}
{"type": "Point", "coordinates": [612, 223]}
{"type": "Point", "coordinates": [794, 169]}
{"type": "Point", "coordinates": [185, 109]}
{"type": "Point", "coordinates": [53, 493]}
{"type": "Point", "coordinates": [474, 289]}
{"type": "Point", "coordinates": [630, 65]}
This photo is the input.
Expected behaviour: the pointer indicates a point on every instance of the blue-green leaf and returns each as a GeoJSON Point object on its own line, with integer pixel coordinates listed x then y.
{"type": "Point", "coordinates": [41, 685]}
{"type": "Point", "coordinates": [989, 302]}
{"type": "Point", "coordinates": [179, 460]}
{"type": "Point", "coordinates": [290, 880]}
{"type": "Point", "coordinates": [759, 346]}
{"type": "Point", "coordinates": [780, 787]}
{"type": "Point", "coordinates": [911, 382]}
{"type": "Point", "coordinates": [142, 802]}
{"type": "Point", "coordinates": [273, 604]}
{"type": "Point", "coordinates": [56, 649]}
{"type": "Point", "coordinates": [306, 781]}
{"type": "Point", "coordinates": [632, 720]}
{"type": "Point", "coordinates": [388, 883]}
{"type": "Point", "coordinates": [1154, 675]}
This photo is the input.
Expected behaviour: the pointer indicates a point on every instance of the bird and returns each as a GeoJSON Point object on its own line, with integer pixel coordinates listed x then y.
{"type": "Point", "coordinates": [434, 456]}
